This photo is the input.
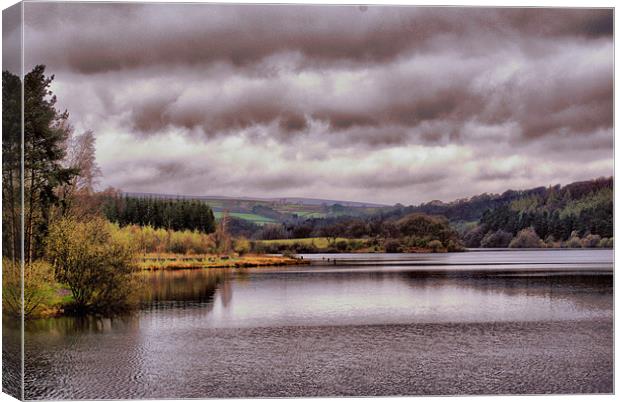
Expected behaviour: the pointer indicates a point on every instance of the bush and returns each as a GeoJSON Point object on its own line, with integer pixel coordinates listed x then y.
{"type": "Point", "coordinates": [342, 245]}
{"type": "Point", "coordinates": [272, 231]}
{"type": "Point", "coordinates": [40, 289]}
{"type": "Point", "coordinates": [527, 238]}
{"type": "Point", "coordinates": [499, 239]}
{"type": "Point", "coordinates": [591, 241]}
{"type": "Point", "coordinates": [11, 289]}
{"type": "Point", "coordinates": [426, 226]}
{"type": "Point", "coordinates": [435, 245]}
{"type": "Point", "coordinates": [573, 242]}
{"type": "Point", "coordinates": [392, 246]}
{"type": "Point", "coordinates": [606, 242]}
{"type": "Point", "coordinates": [241, 246]}
{"type": "Point", "coordinates": [150, 240]}
{"type": "Point", "coordinates": [96, 261]}
{"type": "Point", "coordinates": [550, 242]}
{"type": "Point", "coordinates": [474, 237]}
{"type": "Point", "coordinates": [454, 246]}
{"type": "Point", "coordinates": [356, 244]}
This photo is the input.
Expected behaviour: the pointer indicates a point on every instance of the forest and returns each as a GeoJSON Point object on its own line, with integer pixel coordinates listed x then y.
{"type": "Point", "coordinates": [579, 214]}
{"type": "Point", "coordinates": [159, 213]}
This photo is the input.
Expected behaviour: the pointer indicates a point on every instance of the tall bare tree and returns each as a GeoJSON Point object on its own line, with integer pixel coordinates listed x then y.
{"type": "Point", "coordinates": [79, 157]}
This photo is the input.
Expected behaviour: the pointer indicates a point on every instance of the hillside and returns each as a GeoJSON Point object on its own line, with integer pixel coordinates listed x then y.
{"type": "Point", "coordinates": [579, 213]}
{"type": "Point", "coordinates": [556, 214]}
{"type": "Point", "coordinates": [472, 209]}
{"type": "Point", "coordinates": [261, 211]}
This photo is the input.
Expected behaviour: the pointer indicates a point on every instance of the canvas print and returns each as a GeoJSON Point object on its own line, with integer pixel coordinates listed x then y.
{"type": "Point", "coordinates": [210, 200]}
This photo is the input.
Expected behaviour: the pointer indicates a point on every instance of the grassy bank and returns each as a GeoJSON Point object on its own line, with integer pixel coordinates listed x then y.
{"type": "Point", "coordinates": [343, 245]}
{"type": "Point", "coordinates": [320, 242]}
{"type": "Point", "coordinates": [180, 261]}
{"type": "Point", "coordinates": [43, 296]}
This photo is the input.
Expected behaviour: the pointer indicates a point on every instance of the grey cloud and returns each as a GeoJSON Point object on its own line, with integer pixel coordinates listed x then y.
{"type": "Point", "coordinates": [561, 103]}
{"type": "Point", "coordinates": [11, 39]}
{"type": "Point", "coordinates": [499, 82]}
{"type": "Point", "coordinates": [162, 173]}
{"type": "Point", "coordinates": [150, 115]}
{"type": "Point", "coordinates": [265, 181]}
{"type": "Point", "coordinates": [146, 34]}
{"type": "Point", "coordinates": [214, 111]}
{"type": "Point", "coordinates": [292, 122]}
{"type": "Point", "coordinates": [397, 179]}
{"type": "Point", "coordinates": [491, 173]}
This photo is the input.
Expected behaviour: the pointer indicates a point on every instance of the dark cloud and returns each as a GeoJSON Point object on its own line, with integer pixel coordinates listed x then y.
{"type": "Point", "coordinates": [292, 122]}
{"type": "Point", "coordinates": [568, 110]}
{"type": "Point", "coordinates": [145, 174]}
{"type": "Point", "coordinates": [336, 83]}
{"type": "Point", "coordinates": [145, 34]}
{"type": "Point", "coordinates": [341, 120]}
{"type": "Point", "coordinates": [151, 114]}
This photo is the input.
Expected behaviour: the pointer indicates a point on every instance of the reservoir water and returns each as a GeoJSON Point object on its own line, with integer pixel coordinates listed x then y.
{"type": "Point", "coordinates": [481, 322]}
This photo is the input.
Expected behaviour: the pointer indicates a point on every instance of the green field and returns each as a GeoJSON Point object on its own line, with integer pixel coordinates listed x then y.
{"type": "Point", "coordinates": [258, 219]}
{"type": "Point", "coordinates": [310, 214]}
{"type": "Point", "coordinates": [262, 212]}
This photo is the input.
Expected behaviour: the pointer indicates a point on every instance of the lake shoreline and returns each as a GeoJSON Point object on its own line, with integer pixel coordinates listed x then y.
{"type": "Point", "coordinates": [154, 262]}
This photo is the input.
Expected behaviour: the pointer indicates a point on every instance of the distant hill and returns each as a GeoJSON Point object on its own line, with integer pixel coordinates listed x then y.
{"type": "Point", "coordinates": [318, 201]}
{"type": "Point", "coordinates": [261, 211]}
{"type": "Point", "coordinates": [281, 200]}
{"type": "Point", "coordinates": [554, 214]}
{"type": "Point", "coordinates": [472, 209]}
{"type": "Point", "coordinates": [579, 214]}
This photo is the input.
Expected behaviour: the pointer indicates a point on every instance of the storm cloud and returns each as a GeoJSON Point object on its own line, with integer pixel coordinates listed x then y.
{"type": "Point", "coordinates": [384, 104]}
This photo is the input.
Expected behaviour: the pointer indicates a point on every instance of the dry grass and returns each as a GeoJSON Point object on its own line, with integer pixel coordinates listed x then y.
{"type": "Point", "coordinates": [180, 261]}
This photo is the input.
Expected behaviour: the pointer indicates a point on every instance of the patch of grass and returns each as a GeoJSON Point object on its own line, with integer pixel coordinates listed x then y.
{"type": "Point", "coordinates": [320, 242]}
{"type": "Point", "coordinates": [310, 214]}
{"type": "Point", "coordinates": [258, 219]}
{"type": "Point", "coordinates": [43, 295]}
{"type": "Point", "coordinates": [180, 261]}
{"type": "Point", "coordinates": [215, 204]}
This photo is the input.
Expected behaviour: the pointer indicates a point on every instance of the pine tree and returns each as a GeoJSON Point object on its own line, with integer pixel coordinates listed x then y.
{"type": "Point", "coordinates": [45, 132]}
{"type": "Point", "coordinates": [11, 171]}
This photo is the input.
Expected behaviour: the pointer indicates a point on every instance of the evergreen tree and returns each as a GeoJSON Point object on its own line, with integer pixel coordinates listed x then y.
{"type": "Point", "coordinates": [45, 132]}
{"type": "Point", "coordinates": [11, 171]}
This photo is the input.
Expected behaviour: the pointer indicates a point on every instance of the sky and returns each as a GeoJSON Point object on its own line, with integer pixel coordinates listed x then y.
{"type": "Point", "coordinates": [362, 103]}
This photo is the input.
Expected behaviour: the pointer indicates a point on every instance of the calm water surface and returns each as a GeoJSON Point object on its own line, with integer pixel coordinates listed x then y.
{"type": "Point", "coordinates": [394, 324]}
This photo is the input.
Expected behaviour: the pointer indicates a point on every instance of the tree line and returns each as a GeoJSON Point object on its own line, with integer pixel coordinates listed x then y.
{"type": "Point", "coordinates": [160, 213]}
{"type": "Point", "coordinates": [67, 245]}
{"type": "Point", "coordinates": [411, 232]}
{"type": "Point", "coordinates": [558, 216]}
{"type": "Point", "coordinates": [471, 209]}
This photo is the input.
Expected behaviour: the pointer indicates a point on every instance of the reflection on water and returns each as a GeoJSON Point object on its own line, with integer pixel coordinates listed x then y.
{"type": "Point", "coordinates": [328, 295]}
{"type": "Point", "coordinates": [182, 288]}
{"type": "Point", "coordinates": [11, 356]}
{"type": "Point", "coordinates": [198, 327]}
